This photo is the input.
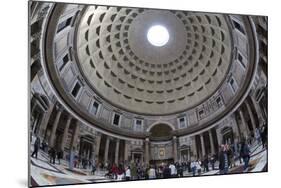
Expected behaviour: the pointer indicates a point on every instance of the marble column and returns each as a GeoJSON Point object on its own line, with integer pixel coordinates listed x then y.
{"type": "Point", "coordinates": [90, 151]}
{"type": "Point", "coordinates": [245, 130]}
{"type": "Point", "coordinates": [202, 145]}
{"type": "Point", "coordinates": [251, 115]}
{"type": "Point", "coordinates": [106, 149]}
{"type": "Point", "coordinates": [195, 148]}
{"type": "Point", "coordinates": [65, 132]}
{"type": "Point", "coordinates": [45, 121]}
{"type": "Point", "coordinates": [147, 151]}
{"type": "Point", "coordinates": [54, 129]}
{"type": "Point", "coordinates": [219, 136]}
{"type": "Point", "coordinates": [97, 144]}
{"type": "Point", "coordinates": [175, 148]}
{"type": "Point", "coordinates": [188, 154]}
{"type": "Point", "coordinates": [126, 151]}
{"type": "Point", "coordinates": [75, 137]}
{"type": "Point", "coordinates": [238, 126]}
{"type": "Point", "coordinates": [258, 110]}
{"type": "Point", "coordinates": [117, 151]}
{"type": "Point", "coordinates": [211, 142]}
{"type": "Point", "coordinates": [93, 156]}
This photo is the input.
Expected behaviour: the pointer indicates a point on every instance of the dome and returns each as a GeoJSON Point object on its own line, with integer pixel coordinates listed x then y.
{"type": "Point", "coordinates": [120, 63]}
{"type": "Point", "coordinates": [202, 72]}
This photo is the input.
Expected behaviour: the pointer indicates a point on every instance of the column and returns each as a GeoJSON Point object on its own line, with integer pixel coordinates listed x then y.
{"type": "Point", "coordinates": [126, 151]}
{"type": "Point", "coordinates": [219, 136]}
{"type": "Point", "coordinates": [195, 148]}
{"type": "Point", "coordinates": [89, 151]}
{"type": "Point", "coordinates": [245, 132]}
{"type": "Point", "coordinates": [65, 132]}
{"type": "Point", "coordinates": [75, 137]}
{"type": "Point", "coordinates": [258, 110]}
{"type": "Point", "coordinates": [211, 142]}
{"type": "Point", "coordinates": [146, 151]}
{"type": "Point", "coordinates": [92, 152]}
{"type": "Point", "coordinates": [251, 115]}
{"type": "Point", "coordinates": [106, 149]}
{"type": "Point", "coordinates": [175, 148]}
{"type": "Point", "coordinates": [97, 144]}
{"type": "Point", "coordinates": [117, 151]}
{"type": "Point", "coordinates": [202, 145]}
{"type": "Point", "coordinates": [188, 154]}
{"type": "Point", "coordinates": [238, 126]}
{"type": "Point", "coordinates": [45, 121]}
{"type": "Point", "coordinates": [54, 129]}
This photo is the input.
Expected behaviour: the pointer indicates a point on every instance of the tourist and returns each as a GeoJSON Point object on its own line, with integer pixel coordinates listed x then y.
{"type": "Point", "coordinates": [245, 154]}
{"type": "Point", "coordinates": [44, 146]}
{"type": "Point", "coordinates": [189, 166]}
{"type": "Point", "coordinates": [166, 171]}
{"type": "Point", "coordinates": [71, 158]}
{"type": "Point", "coordinates": [36, 147]}
{"type": "Point", "coordinates": [173, 170]}
{"type": "Point", "coordinates": [59, 155]}
{"type": "Point", "coordinates": [223, 160]}
{"type": "Point", "coordinates": [179, 168]}
{"type": "Point", "coordinates": [160, 170]}
{"type": "Point", "coordinates": [114, 171]}
{"type": "Point", "coordinates": [193, 167]}
{"type": "Point", "coordinates": [263, 135]}
{"type": "Point", "coordinates": [133, 170]}
{"type": "Point", "coordinates": [198, 167]}
{"type": "Point", "coordinates": [236, 150]}
{"type": "Point", "coordinates": [120, 172]}
{"type": "Point", "coordinates": [152, 173]}
{"type": "Point", "coordinates": [52, 155]}
{"type": "Point", "coordinates": [258, 136]}
{"type": "Point", "coordinates": [128, 173]}
{"type": "Point", "coordinates": [206, 163]}
{"type": "Point", "coordinates": [230, 154]}
{"type": "Point", "coordinates": [213, 160]}
{"type": "Point", "coordinates": [93, 167]}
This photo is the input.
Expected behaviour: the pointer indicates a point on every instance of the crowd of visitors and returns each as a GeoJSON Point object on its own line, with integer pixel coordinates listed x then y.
{"type": "Point", "coordinates": [225, 158]}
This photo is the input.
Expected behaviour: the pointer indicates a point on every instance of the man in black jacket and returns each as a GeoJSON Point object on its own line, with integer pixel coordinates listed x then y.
{"type": "Point", "coordinates": [223, 160]}
{"type": "Point", "coordinates": [166, 172]}
{"type": "Point", "coordinates": [245, 154]}
{"type": "Point", "coordinates": [206, 163]}
{"type": "Point", "coordinates": [52, 154]}
{"type": "Point", "coordinates": [36, 147]}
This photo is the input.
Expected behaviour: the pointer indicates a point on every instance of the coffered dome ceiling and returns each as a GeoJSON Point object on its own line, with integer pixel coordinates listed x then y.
{"type": "Point", "coordinates": [102, 60]}
{"type": "Point", "coordinates": [123, 67]}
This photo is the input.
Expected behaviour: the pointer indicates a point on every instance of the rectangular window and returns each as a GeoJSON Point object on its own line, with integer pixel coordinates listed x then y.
{"type": "Point", "coordinates": [138, 125]}
{"type": "Point", "coordinates": [233, 85]}
{"type": "Point", "coordinates": [201, 113]}
{"type": "Point", "coordinates": [138, 122]}
{"type": "Point", "coordinates": [238, 26]}
{"type": "Point", "coordinates": [116, 119]}
{"type": "Point", "coordinates": [218, 100]}
{"type": "Point", "coordinates": [65, 59]}
{"type": "Point", "coordinates": [182, 122]}
{"type": "Point", "coordinates": [240, 59]}
{"type": "Point", "coordinates": [95, 108]}
{"type": "Point", "coordinates": [76, 89]}
{"type": "Point", "coordinates": [64, 24]}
